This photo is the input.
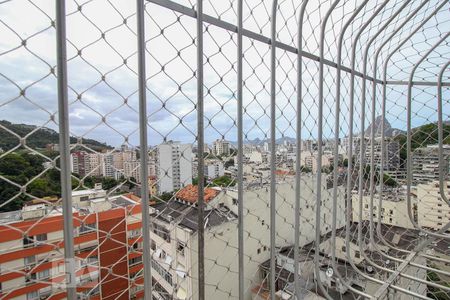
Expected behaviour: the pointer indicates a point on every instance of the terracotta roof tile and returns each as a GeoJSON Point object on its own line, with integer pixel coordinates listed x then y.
{"type": "Point", "coordinates": [190, 194]}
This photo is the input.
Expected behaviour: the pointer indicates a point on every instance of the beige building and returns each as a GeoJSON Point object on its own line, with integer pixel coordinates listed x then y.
{"type": "Point", "coordinates": [394, 209]}
{"type": "Point", "coordinates": [175, 232]}
{"type": "Point", "coordinates": [221, 147]}
{"type": "Point", "coordinates": [309, 160]}
{"type": "Point", "coordinates": [433, 212]}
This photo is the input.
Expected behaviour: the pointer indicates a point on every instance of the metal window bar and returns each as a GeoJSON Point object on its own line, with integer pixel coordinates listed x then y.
{"type": "Point", "coordinates": [247, 220]}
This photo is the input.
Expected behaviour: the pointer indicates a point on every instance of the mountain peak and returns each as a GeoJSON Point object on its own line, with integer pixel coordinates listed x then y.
{"type": "Point", "coordinates": [388, 130]}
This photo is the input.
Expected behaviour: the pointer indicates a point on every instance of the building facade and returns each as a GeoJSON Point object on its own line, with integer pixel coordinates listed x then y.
{"type": "Point", "coordinates": [173, 166]}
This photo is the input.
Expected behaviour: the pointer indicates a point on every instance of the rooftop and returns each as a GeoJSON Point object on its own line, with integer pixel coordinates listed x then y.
{"type": "Point", "coordinates": [190, 194]}
{"type": "Point", "coordinates": [187, 215]}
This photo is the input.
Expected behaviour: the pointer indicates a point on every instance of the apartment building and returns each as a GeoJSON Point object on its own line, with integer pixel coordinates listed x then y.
{"type": "Point", "coordinates": [174, 235]}
{"type": "Point", "coordinates": [32, 247]}
{"type": "Point", "coordinates": [425, 163]}
{"type": "Point", "coordinates": [221, 147]}
{"type": "Point", "coordinates": [394, 208]}
{"type": "Point", "coordinates": [173, 166]}
{"type": "Point", "coordinates": [309, 160]}
{"type": "Point", "coordinates": [174, 241]}
{"type": "Point", "coordinates": [433, 212]}
{"type": "Point", "coordinates": [212, 169]}
{"type": "Point", "coordinates": [359, 253]}
{"type": "Point", "coordinates": [85, 163]}
{"type": "Point", "coordinates": [390, 153]}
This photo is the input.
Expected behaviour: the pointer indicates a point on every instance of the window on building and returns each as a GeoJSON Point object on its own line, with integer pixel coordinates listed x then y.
{"type": "Point", "coordinates": [135, 261]}
{"type": "Point", "coordinates": [30, 278]}
{"type": "Point", "coordinates": [134, 233]}
{"type": "Point", "coordinates": [258, 251]}
{"type": "Point", "coordinates": [161, 231]}
{"type": "Point", "coordinates": [84, 198]}
{"type": "Point", "coordinates": [180, 248]}
{"type": "Point", "coordinates": [161, 271]}
{"type": "Point", "coordinates": [28, 241]}
{"type": "Point", "coordinates": [357, 254]}
{"type": "Point", "coordinates": [30, 260]}
{"type": "Point", "coordinates": [44, 274]}
{"type": "Point", "coordinates": [85, 228]}
{"type": "Point", "coordinates": [135, 246]}
{"type": "Point", "coordinates": [152, 245]}
{"type": "Point", "coordinates": [41, 237]}
{"type": "Point", "coordinates": [32, 295]}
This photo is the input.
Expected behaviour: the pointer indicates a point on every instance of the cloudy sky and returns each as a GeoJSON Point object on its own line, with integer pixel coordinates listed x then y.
{"type": "Point", "coordinates": [103, 81]}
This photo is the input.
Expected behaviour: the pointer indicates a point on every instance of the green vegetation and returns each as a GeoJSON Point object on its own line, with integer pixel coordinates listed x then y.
{"type": "Point", "coordinates": [228, 163]}
{"type": "Point", "coordinates": [21, 167]}
{"type": "Point", "coordinates": [436, 293]}
{"type": "Point", "coordinates": [305, 169]}
{"type": "Point", "coordinates": [387, 180]}
{"type": "Point", "coordinates": [223, 181]}
{"type": "Point", "coordinates": [421, 137]}
{"type": "Point", "coordinates": [38, 139]}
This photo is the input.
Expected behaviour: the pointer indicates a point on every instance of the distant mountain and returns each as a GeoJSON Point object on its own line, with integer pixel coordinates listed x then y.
{"type": "Point", "coordinates": [388, 130]}
{"type": "Point", "coordinates": [259, 142]}
{"type": "Point", "coordinates": [38, 139]}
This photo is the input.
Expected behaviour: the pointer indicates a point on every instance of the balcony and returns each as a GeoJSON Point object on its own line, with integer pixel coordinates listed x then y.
{"type": "Point", "coordinates": [329, 121]}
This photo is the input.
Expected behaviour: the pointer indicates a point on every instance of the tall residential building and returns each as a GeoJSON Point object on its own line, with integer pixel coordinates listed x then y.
{"type": "Point", "coordinates": [86, 164]}
{"type": "Point", "coordinates": [108, 165]}
{"type": "Point", "coordinates": [173, 166]}
{"type": "Point", "coordinates": [391, 153]}
{"type": "Point", "coordinates": [221, 147]}
{"type": "Point", "coordinates": [33, 264]}
{"type": "Point", "coordinates": [425, 163]}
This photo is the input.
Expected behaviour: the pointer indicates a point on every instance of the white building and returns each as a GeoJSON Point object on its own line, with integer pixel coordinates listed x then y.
{"type": "Point", "coordinates": [173, 166]}
{"type": "Point", "coordinates": [214, 169]}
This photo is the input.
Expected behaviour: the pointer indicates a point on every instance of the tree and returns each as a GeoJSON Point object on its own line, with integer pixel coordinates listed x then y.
{"type": "Point", "coordinates": [389, 181]}
{"type": "Point", "coordinates": [195, 181]}
{"type": "Point", "coordinates": [13, 164]}
{"type": "Point", "coordinates": [305, 169]}
{"type": "Point", "coordinates": [229, 163]}
{"type": "Point", "coordinates": [224, 181]}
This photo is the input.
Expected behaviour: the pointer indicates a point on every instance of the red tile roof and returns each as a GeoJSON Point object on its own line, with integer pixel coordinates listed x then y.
{"type": "Point", "coordinates": [190, 194]}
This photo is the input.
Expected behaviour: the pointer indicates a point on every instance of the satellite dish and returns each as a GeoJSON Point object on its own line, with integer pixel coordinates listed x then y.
{"type": "Point", "coordinates": [329, 272]}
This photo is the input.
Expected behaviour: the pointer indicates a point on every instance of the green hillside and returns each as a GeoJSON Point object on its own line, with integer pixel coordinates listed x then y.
{"type": "Point", "coordinates": [38, 139]}
{"type": "Point", "coordinates": [423, 136]}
